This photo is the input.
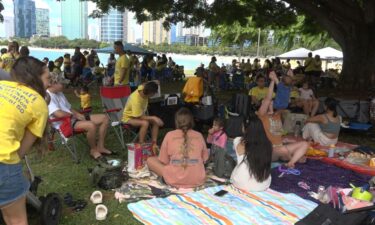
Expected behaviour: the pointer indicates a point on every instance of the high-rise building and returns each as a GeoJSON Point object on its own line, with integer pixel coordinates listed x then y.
{"type": "Point", "coordinates": [24, 18]}
{"type": "Point", "coordinates": [114, 26]}
{"type": "Point", "coordinates": [9, 26]}
{"type": "Point", "coordinates": [173, 33]}
{"type": "Point", "coordinates": [154, 32]}
{"type": "Point", "coordinates": [94, 30]}
{"type": "Point", "coordinates": [74, 19]}
{"type": "Point", "coordinates": [42, 22]}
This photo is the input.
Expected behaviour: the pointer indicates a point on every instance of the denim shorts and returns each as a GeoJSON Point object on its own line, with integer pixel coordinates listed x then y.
{"type": "Point", "coordinates": [13, 184]}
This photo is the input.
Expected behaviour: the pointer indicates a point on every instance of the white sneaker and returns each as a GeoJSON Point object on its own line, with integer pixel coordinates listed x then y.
{"type": "Point", "coordinates": [101, 212]}
{"type": "Point", "coordinates": [96, 197]}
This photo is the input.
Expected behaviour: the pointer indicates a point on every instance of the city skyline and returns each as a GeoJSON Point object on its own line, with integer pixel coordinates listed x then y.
{"type": "Point", "coordinates": [55, 20]}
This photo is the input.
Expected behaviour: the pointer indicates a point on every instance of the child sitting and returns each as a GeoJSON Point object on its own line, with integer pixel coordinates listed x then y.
{"type": "Point", "coordinates": [218, 140]}
{"type": "Point", "coordinates": [254, 156]}
{"type": "Point", "coordinates": [85, 101]}
{"type": "Point", "coordinates": [309, 102]}
{"type": "Point", "coordinates": [283, 91]}
{"type": "Point", "coordinates": [182, 154]}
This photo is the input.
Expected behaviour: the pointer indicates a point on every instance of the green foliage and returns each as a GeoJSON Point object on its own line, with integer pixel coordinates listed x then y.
{"type": "Point", "coordinates": [63, 42]}
{"type": "Point", "coordinates": [178, 48]}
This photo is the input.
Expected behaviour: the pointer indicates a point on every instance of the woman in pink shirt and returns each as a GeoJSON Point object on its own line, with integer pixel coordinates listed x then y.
{"type": "Point", "coordinates": [182, 154]}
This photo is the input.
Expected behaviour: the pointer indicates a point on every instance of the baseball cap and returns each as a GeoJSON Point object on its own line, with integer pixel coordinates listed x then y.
{"type": "Point", "coordinates": [58, 78]}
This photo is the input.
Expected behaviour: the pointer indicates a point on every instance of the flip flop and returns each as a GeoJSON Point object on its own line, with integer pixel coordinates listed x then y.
{"type": "Point", "coordinates": [80, 205]}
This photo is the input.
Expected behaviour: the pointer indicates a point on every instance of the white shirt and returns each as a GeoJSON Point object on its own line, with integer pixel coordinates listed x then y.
{"type": "Point", "coordinates": [306, 94]}
{"type": "Point", "coordinates": [241, 178]}
{"type": "Point", "coordinates": [58, 102]}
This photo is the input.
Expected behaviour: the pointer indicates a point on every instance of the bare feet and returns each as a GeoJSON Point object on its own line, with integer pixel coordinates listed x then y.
{"type": "Point", "coordinates": [290, 165]}
{"type": "Point", "coordinates": [95, 153]}
{"type": "Point", "coordinates": [104, 151]}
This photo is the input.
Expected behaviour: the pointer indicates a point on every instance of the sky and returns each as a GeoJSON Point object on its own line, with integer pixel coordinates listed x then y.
{"type": "Point", "coordinates": [55, 16]}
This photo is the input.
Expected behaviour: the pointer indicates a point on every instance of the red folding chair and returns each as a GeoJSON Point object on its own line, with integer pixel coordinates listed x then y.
{"type": "Point", "coordinates": [69, 142]}
{"type": "Point", "coordinates": [113, 101]}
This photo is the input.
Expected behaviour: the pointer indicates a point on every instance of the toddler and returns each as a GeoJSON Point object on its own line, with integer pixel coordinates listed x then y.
{"type": "Point", "coordinates": [85, 101]}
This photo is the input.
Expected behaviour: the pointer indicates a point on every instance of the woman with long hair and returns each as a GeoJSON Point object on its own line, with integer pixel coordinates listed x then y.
{"type": "Point", "coordinates": [23, 119]}
{"type": "Point", "coordinates": [254, 157]}
{"type": "Point", "coordinates": [182, 154]}
{"type": "Point", "coordinates": [324, 128]}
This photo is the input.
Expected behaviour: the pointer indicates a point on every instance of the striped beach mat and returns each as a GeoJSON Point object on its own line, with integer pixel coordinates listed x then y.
{"type": "Point", "coordinates": [236, 207]}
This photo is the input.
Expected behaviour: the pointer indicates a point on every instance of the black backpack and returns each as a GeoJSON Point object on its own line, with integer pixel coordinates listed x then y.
{"type": "Point", "coordinates": [223, 162]}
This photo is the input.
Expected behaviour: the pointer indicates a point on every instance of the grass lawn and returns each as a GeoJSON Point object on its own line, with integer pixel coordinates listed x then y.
{"type": "Point", "coordinates": [60, 174]}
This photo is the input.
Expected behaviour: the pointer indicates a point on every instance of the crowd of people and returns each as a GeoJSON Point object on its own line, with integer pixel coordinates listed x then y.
{"type": "Point", "coordinates": [34, 92]}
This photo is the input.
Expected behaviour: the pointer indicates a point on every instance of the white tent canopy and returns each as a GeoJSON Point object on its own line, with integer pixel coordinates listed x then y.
{"type": "Point", "coordinates": [300, 53]}
{"type": "Point", "coordinates": [328, 53]}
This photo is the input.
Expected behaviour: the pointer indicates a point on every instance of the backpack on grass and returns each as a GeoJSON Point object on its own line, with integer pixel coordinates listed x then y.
{"type": "Point", "coordinates": [107, 176]}
{"type": "Point", "coordinates": [223, 162]}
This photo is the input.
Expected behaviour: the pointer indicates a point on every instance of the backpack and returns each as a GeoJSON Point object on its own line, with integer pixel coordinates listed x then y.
{"type": "Point", "coordinates": [107, 176]}
{"type": "Point", "coordinates": [325, 214]}
{"type": "Point", "coordinates": [223, 162]}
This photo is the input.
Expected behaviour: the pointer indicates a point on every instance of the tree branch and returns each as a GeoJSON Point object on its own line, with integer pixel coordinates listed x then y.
{"type": "Point", "coordinates": [322, 16]}
{"type": "Point", "coordinates": [349, 13]}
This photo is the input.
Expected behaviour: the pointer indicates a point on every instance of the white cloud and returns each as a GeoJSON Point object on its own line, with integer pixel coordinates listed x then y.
{"type": "Point", "coordinates": [41, 4]}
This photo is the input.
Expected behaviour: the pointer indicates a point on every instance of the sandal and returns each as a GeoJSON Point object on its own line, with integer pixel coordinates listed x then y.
{"type": "Point", "coordinates": [80, 205]}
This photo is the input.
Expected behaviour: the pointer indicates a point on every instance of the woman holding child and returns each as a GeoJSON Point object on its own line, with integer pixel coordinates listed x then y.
{"type": "Point", "coordinates": [182, 154]}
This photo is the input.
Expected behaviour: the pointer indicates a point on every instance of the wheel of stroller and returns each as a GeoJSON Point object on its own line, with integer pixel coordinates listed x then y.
{"type": "Point", "coordinates": [51, 209]}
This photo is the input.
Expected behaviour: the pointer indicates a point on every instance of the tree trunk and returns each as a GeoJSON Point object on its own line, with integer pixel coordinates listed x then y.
{"type": "Point", "coordinates": [359, 61]}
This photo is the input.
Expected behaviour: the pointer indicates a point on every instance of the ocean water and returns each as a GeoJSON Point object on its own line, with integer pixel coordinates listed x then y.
{"type": "Point", "coordinates": [188, 61]}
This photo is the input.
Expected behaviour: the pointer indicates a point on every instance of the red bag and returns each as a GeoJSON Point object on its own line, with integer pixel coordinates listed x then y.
{"type": "Point", "coordinates": [66, 127]}
{"type": "Point", "coordinates": [138, 155]}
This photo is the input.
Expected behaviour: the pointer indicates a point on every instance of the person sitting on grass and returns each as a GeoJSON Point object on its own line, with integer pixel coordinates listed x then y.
{"type": "Point", "coordinates": [217, 137]}
{"type": "Point", "coordinates": [272, 124]}
{"type": "Point", "coordinates": [135, 112]}
{"type": "Point", "coordinates": [182, 154]}
{"type": "Point", "coordinates": [59, 107]}
{"type": "Point", "coordinates": [325, 128]}
{"type": "Point", "coordinates": [308, 100]}
{"type": "Point", "coordinates": [254, 157]}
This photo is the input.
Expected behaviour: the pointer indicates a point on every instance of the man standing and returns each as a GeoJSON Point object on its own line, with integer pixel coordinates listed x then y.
{"type": "Point", "coordinates": [122, 67]}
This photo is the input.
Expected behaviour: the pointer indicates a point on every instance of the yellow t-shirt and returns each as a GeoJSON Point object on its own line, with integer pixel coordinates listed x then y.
{"type": "Point", "coordinates": [309, 64]}
{"type": "Point", "coordinates": [294, 93]}
{"type": "Point", "coordinates": [122, 62]}
{"type": "Point", "coordinates": [21, 108]}
{"type": "Point", "coordinates": [247, 67]}
{"type": "Point", "coordinates": [136, 105]}
{"type": "Point", "coordinates": [259, 93]}
{"type": "Point", "coordinates": [85, 101]}
{"type": "Point", "coordinates": [7, 61]}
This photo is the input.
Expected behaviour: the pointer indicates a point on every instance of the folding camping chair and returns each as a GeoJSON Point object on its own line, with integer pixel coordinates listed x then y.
{"type": "Point", "coordinates": [113, 101]}
{"type": "Point", "coordinates": [69, 142]}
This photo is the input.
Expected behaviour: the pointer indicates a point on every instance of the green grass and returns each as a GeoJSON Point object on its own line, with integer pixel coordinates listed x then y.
{"type": "Point", "coordinates": [60, 174]}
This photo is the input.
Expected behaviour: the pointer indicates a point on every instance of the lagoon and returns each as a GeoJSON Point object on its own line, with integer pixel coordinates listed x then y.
{"type": "Point", "coordinates": [190, 62]}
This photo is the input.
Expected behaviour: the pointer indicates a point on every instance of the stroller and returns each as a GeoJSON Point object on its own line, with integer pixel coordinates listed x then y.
{"type": "Point", "coordinates": [49, 207]}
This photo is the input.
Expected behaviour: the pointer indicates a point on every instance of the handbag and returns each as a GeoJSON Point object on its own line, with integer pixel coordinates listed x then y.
{"type": "Point", "coordinates": [66, 127]}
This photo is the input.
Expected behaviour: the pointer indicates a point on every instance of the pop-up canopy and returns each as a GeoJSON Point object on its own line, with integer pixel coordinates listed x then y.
{"type": "Point", "coordinates": [300, 53]}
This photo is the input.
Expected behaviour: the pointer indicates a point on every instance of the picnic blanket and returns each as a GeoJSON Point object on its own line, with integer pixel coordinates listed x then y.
{"type": "Point", "coordinates": [359, 168]}
{"type": "Point", "coordinates": [315, 173]}
{"type": "Point", "coordinates": [236, 207]}
{"type": "Point", "coordinates": [150, 186]}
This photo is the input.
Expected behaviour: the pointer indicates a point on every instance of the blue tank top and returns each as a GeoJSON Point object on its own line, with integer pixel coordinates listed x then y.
{"type": "Point", "coordinates": [331, 127]}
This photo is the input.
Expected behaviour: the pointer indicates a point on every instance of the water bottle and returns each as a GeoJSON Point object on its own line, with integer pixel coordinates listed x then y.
{"type": "Point", "coordinates": [297, 129]}
{"type": "Point", "coordinates": [331, 151]}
